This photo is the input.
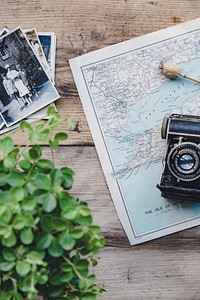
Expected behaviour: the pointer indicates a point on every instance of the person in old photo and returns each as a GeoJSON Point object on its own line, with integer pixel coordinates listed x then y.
{"type": "Point", "coordinates": [10, 88]}
{"type": "Point", "coordinates": [17, 79]}
{"type": "Point", "coordinates": [11, 73]}
{"type": "Point", "coordinates": [22, 75]}
{"type": "Point", "coordinates": [29, 84]}
{"type": "Point", "coordinates": [23, 90]}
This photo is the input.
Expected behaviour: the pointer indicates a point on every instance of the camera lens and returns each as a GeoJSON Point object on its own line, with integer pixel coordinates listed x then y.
{"type": "Point", "coordinates": [186, 162]}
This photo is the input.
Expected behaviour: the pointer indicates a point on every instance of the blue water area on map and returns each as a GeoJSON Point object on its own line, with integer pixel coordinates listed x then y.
{"type": "Point", "coordinates": [147, 209]}
{"type": "Point", "coordinates": [171, 95]}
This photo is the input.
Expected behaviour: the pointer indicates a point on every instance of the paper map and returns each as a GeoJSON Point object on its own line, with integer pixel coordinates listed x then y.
{"type": "Point", "coordinates": [125, 98]}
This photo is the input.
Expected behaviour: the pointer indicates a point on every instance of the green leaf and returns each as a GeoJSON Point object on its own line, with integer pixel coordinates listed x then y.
{"type": "Point", "coordinates": [44, 135]}
{"type": "Point", "coordinates": [53, 122]}
{"type": "Point", "coordinates": [42, 277]}
{"type": "Point", "coordinates": [70, 213]}
{"type": "Point", "coordinates": [67, 171]}
{"type": "Point", "coordinates": [26, 236]}
{"type": "Point", "coordinates": [65, 200]}
{"type": "Point", "coordinates": [29, 204]}
{"type": "Point", "coordinates": [23, 268]}
{"type": "Point", "coordinates": [82, 264]}
{"type": "Point", "coordinates": [46, 223]}
{"type": "Point", "coordinates": [3, 179]}
{"type": "Point", "coordinates": [77, 233]}
{"type": "Point", "coordinates": [31, 187]}
{"type": "Point", "coordinates": [53, 144]}
{"type": "Point", "coordinates": [9, 162]}
{"type": "Point", "coordinates": [40, 127]}
{"type": "Point", "coordinates": [51, 111]}
{"type": "Point", "coordinates": [3, 228]}
{"type": "Point", "coordinates": [6, 145]}
{"type": "Point", "coordinates": [56, 292]}
{"type": "Point", "coordinates": [55, 248]}
{"type": "Point", "coordinates": [56, 177]}
{"type": "Point", "coordinates": [94, 262]}
{"type": "Point", "coordinates": [57, 119]}
{"type": "Point", "coordinates": [68, 177]}
{"type": "Point", "coordinates": [25, 125]}
{"type": "Point", "coordinates": [25, 164]}
{"type": "Point", "coordinates": [6, 215]}
{"type": "Point", "coordinates": [59, 224]}
{"type": "Point", "coordinates": [36, 257]}
{"type": "Point", "coordinates": [18, 297]}
{"type": "Point", "coordinates": [66, 276]}
{"type": "Point", "coordinates": [45, 164]}
{"type": "Point", "coordinates": [25, 284]}
{"type": "Point", "coordinates": [61, 136]}
{"type": "Point", "coordinates": [94, 229]}
{"type": "Point", "coordinates": [91, 279]}
{"type": "Point", "coordinates": [40, 195]}
{"type": "Point", "coordinates": [30, 220]}
{"type": "Point", "coordinates": [10, 241]}
{"type": "Point", "coordinates": [16, 179]}
{"type": "Point", "coordinates": [17, 193]}
{"type": "Point", "coordinates": [54, 278]}
{"type": "Point", "coordinates": [88, 296]}
{"type": "Point", "coordinates": [35, 152]}
{"type": "Point", "coordinates": [82, 284]}
{"type": "Point", "coordinates": [33, 137]}
{"type": "Point", "coordinates": [49, 202]}
{"type": "Point", "coordinates": [44, 240]}
{"type": "Point", "coordinates": [7, 266]}
{"type": "Point", "coordinates": [3, 208]}
{"type": "Point", "coordinates": [84, 221]}
{"type": "Point", "coordinates": [19, 222]}
{"type": "Point", "coordinates": [67, 241]}
{"type": "Point", "coordinates": [42, 182]}
{"type": "Point", "coordinates": [67, 182]}
{"type": "Point", "coordinates": [9, 254]}
{"type": "Point", "coordinates": [7, 295]}
{"type": "Point", "coordinates": [26, 155]}
{"type": "Point", "coordinates": [66, 267]}
{"type": "Point", "coordinates": [84, 211]}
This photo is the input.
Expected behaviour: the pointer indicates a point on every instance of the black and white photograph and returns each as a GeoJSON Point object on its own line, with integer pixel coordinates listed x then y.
{"type": "Point", "coordinates": [48, 43]}
{"type": "Point", "coordinates": [32, 36]}
{"type": "Point", "coordinates": [24, 84]}
{"type": "Point", "coordinates": [2, 123]}
{"type": "Point", "coordinates": [4, 31]}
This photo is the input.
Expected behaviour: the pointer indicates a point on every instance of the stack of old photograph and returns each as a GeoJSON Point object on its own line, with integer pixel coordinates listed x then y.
{"type": "Point", "coordinates": [27, 71]}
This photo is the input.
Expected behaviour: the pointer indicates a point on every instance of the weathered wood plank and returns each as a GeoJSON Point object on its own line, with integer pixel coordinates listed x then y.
{"type": "Point", "coordinates": [134, 274]}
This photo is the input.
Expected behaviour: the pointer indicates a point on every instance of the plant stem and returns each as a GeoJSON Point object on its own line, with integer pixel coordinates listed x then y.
{"type": "Point", "coordinates": [190, 78]}
{"type": "Point", "coordinates": [29, 172]}
{"type": "Point", "coordinates": [73, 267]}
{"type": "Point", "coordinates": [52, 154]}
{"type": "Point", "coordinates": [20, 154]}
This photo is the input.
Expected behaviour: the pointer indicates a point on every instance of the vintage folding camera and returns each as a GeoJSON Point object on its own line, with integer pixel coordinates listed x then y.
{"type": "Point", "coordinates": [181, 173]}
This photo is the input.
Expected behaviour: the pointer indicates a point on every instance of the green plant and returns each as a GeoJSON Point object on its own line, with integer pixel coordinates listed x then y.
{"type": "Point", "coordinates": [47, 238]}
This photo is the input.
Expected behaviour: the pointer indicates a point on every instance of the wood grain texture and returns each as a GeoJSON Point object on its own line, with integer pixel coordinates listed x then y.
{"type": "Point", "coordinates": [167, 268]}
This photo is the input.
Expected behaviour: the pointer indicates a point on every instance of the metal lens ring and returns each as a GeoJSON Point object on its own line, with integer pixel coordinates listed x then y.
{"type": "Point", "coordinates": [184, 161]}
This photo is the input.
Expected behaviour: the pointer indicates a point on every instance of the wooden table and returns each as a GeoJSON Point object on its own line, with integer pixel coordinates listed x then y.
{"type": "Point", "coordinates": [167, 268]}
